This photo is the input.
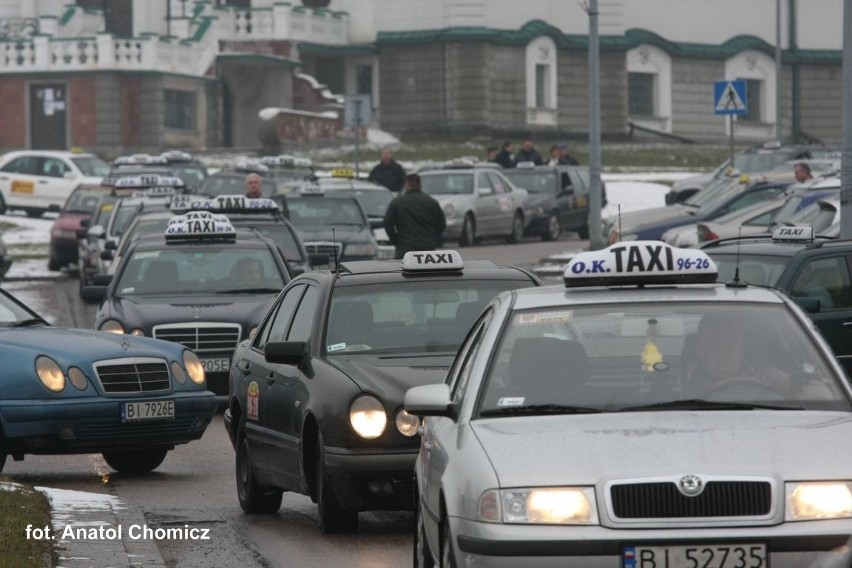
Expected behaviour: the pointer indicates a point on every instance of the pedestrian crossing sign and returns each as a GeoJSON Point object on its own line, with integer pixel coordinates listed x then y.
{"type": "Point", "coordinates": [730, 97]}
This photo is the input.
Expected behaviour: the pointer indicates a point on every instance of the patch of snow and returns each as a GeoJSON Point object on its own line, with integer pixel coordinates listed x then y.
{"type": "Point", "coordinates": [26, 230]}
{"type": "Point", "coordinates": [648, 176]}
{"type": "Point", "coordinates": [633, 196]}
{"type": "Point", "coordinates": [268, 113]}
{"type": "Point", "coordinates": [381, 138]}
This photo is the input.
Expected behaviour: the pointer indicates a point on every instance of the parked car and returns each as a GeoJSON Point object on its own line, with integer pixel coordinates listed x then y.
{"type": "Point", "coordinates": [63, 249]}
{"type": "Point", "coordinates": [187, 167]}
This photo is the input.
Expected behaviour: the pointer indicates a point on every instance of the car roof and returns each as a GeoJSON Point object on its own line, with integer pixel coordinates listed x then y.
{"type": "Point", "coordinates": [46, 153]}
{"type": "Point", "coordinates": [763, 244]}
{"type": "Point", "coordinates": [356, 272]}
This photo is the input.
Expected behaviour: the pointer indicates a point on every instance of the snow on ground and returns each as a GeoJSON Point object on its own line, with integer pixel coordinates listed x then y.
{"type": "Point", "coordinates": [633, 196]}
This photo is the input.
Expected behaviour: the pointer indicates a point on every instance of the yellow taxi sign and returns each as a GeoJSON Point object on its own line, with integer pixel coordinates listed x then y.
{"type": "Point", "coordinates": [343, 173]}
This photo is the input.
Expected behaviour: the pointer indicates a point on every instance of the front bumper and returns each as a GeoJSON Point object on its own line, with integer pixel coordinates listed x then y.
{"type": "Point", "coordinates": [454, 229]}
{"type": "Point", "coordinates": [538, 225]}
{"type": "Point", "coordinates": [93, 424]}
{"type": "Point", "coordinates": [790, 545]}
{"type": "Point", "coordinates": [368, 481]}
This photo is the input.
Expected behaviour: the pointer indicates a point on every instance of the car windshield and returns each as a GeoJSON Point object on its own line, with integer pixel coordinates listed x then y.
{"type": "Point", "coordinates": [533, 181]}
{"type": "Point", "coordinates": [290, 175]}
{"type": "Point", "coordinates": [447, 183]}
{"type": "Point", "coordinates": [319, 211]}
{"type": "Point", "coordinates": [280, 234]}
{"type": "Point", "coordinates": [103, 212]}
{"type": "Point", "coordinates": [649, 356]}
{"type": "Point", "coordinates": [191, 174]}
{"type": "Point", "coordinates": [198, 270]}
{"type": "Point", "coordinates": [760, 161]}
{"type": "Point", "coordinates": [757, 269]}
{"type": "Point", "coordinates": [745, 214]}
{"type": "Point", "coordinates": [142, 226]}
{"type": "Point", "coordinates": [408, 316]}
{"type": "Point", "coordinates": [85, 199]}
{"type": "Point", "coordinates": [11, 313]}
{"type": "Point", "coordinates": [374, 201]}
{"type": "Point", "coordinates": [91, 166]}
{"type": "Point", "coordinates": [233, 185]}
{"type": "Point", "coordinates": [710, 192]}
{"type": "Point", "coordinates": [819, 215]}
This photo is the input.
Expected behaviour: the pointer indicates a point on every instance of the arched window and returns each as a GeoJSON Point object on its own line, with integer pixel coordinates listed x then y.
{"type": "Point", "coordinates": [758, 71]}
{"type": "Point", "coordinates": [541, 81]}
{"type": "Point", "coordinates": [649, 87]}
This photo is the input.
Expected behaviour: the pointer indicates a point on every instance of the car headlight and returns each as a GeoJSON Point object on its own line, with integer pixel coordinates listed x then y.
{"type": "Point", "coordinates": [178, 372]}
{"type": "Point", "coordinates": [406, 423]}
{"type": "Point", "coordinates": [112, 326]}
{"type": "Point", "coordinates": [193, 366]}
{"type": "Point", "coordinates": [546, 506]}
{"type": "Point", "coordinates": [807, 501]}
{"type": "Point", "coordinates": [137, 332]}
{"type": "Point", "coordinates": [50, 373]}
{"type": "Point", "coordinates": [78, 378]}
{"type": "Point", "coordinates": [360, 250]}
{"type": "Point", "coordinates": [367, 417]}
{"type": "Point", "coordinates": [449, 210]}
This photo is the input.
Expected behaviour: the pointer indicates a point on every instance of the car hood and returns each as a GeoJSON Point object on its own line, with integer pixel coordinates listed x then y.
{"type": "Point", "coordinates": [245, 309]}
{"type": "Point", "coordinates": [699, 180]}
{"type": "Point", "coordinates": [649, 217]}
{"type": "Point", "coordinates": [70, 220]}
{"type": "Point", "coordinates": [389, 376]}
{"type": "Point", "coordinates": [66, 345]}
{"type": "Point", "coordinates": [583, 449]}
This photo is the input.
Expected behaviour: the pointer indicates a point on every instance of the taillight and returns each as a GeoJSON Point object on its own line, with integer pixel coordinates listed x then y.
{"type": "Point", "coordinates": [705, 234]}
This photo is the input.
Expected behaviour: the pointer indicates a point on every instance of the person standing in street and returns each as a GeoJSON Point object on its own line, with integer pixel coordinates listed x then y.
{"type": "Point", "coordinates": [567, 158]}
{"type": "Point", "coordinates": [388, 172]}
{"type": "Point", "coordinates": [504, 156]}
{"type": "Point", "coordinates": [528, 153]}
{"type": "Point", "coordinates": [414, 220]}
{"type": "Point", "coordinates": [802, 171]}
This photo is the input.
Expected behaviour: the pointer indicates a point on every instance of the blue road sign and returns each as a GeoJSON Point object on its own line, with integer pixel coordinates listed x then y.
{"type": "Point", "coordinates": [729, 97]}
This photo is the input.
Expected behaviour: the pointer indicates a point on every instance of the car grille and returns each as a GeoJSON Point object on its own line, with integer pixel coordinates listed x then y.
{"type": "Point", "coordinates": [318, 247]}
{"type": "Point", "coordinates": [663, 500]}
{"type": "Point", "coordinates": [133, 375]}
{"type": "Point", "coordinates": [201, 337]}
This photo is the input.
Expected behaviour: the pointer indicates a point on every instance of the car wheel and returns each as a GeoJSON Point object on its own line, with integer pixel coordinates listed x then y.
{"type": "Point", "coordinates": [136, 461]}
{"type": "Point", "coordinates": [517, 234]}
{"type": "Point", "coordinates": [34, 213]}
{"type": "Point", "coordinates": [333, 518]}
{"type": "Point", "coordinates": [422, 555]}
{"type": "Point", "coordinates": [583, 232]}
{"type": "Point", "coordinates": [468, 232]}
{"type": "Point", "coordinates": [252, 498]}
{"type": "Point", "coordinates": [53, 265]}
{"type": "Point", "coordinates": [553, 228]}
{"type": "Point", "coordinates": [448, 557]}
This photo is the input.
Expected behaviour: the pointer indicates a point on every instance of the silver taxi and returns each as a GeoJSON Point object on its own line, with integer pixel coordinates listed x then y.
{"type": "Point", "coordinates": [642, 416]}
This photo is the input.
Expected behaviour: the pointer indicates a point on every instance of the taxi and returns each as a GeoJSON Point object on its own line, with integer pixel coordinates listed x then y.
{"type": "Point", "coordinates": [187, 167]}
{"type": "Point", "coordinates": [814, 271]}
{"type": "Point", "coordinates": [77, 209]}
{"type": "Point", "coordinates": [315, 397]}
{"type": "Point", "coordinates": [201, 283]}
{"type": "Point", "coordinates": [640, 416]}
{"type": "Point", "coordinates": [232, 180]}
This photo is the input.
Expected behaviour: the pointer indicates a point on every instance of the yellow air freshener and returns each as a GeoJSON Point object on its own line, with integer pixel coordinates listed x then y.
{"type": "Point", "coordinates": [651, 356]}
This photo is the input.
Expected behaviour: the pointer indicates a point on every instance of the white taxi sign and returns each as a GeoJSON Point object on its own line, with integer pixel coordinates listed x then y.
{"type": "Point", "coordinates": [307, 189]}
{"type": "Point", "coordinates": [159, 191]}
{"type": "Point", "coordinates": [200, 228]}
{"type": "Point", "coordinates": [251, 167]}
{"type": "Point", "coordinates": [229, 203]}
{"type": "Point", "coordinates": [176, 156]}
{"type": "Point", "coordinates": [793, 234]}
{"type": "Point", "coordinates": [195, 215]}
{"type": "Point", "coordinates": [524, 165]}
{"type": "Point", "coordinates": [148, 180]}
{"type": "Point", "coordinates": [639, 262]}
{"type": "Point", "coordinates": [432, 260]}
{"type": "Point", "coordinates": [139, 159]}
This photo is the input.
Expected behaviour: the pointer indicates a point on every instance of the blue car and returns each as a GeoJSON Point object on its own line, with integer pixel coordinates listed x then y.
{"type": "Point", "coordinates": [75, 391]}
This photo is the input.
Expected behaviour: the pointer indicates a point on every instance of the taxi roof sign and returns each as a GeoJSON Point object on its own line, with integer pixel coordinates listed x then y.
{"type": "Point", "coordinates": [139, 160]}
{"type": "Point", "coordinates": [342, 173]}
{"type": "Point", "coordinates": [524, 165]}
{"type": "Point", "coordinates": [195, 226]}
{"type": "Point", "coordinates": [251, 166]}
{"type": "Point", "coordinates": [195, 215]}
{"type": "Point", "coordinates": [432, 260]}
{"type": "Point", "coordinates": [639, 263]}
{"type": "Point", "coordinates": [146, 181]}
{"type": "Point", "coordinates": [307, 189]}
{"type": "Point", "coordinates": [224, 204]}
{"type": "Point", "coordinates": [793, 234]}
{"type": "Point", "coordinates": [176, 156]}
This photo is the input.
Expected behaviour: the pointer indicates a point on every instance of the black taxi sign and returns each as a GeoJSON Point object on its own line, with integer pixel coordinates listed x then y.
{"type": "Point", "coordinates": [432, 260]}
{"type": "Point", "coordinates": [637, 263]}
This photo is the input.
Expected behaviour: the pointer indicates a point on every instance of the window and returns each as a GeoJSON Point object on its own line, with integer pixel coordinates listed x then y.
{"type": "Point", "coordinates": [542, 86]}
{"type": "Point", "coordinates": [753, 91]}
{"type": "Point", "coordinates": [363, 79]}
{"type": "Point", "coordinates": [276, 326]}
{"type": "Point", "coordinates": [24, 165]}
{"type": "Point", "coordinates": [303, 321]}
{"type": "Point", "coordinates": [180, 109]}
{"type": "Point", "coordinates": [640, 89]}
{"type": "Point", "coordinates": [51, 167]}
{"type": "Point", "coordinates": [826, 279]}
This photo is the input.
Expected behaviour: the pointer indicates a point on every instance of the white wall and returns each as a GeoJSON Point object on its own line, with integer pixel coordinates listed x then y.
{"type": "Point", "coordinates": [149, 17]}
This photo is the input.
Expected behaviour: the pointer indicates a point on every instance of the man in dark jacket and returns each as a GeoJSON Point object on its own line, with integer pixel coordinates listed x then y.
{"type": "Point", "coordinates": [414, 220]}
{"type": "Point", "coordinates": [528, 153]}
{"type": "Point", "coordinates": [388, 172]}
{"type": "Point", "coordinates": [504, 156]}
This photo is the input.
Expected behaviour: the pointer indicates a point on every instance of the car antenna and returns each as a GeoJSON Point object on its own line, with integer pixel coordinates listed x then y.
{"type": "Point", "coordinates": [619, 222]}
{"type": "Point", "coordinates": [736, 282]}
{"type": "Point", "coordinates": [334, 250]}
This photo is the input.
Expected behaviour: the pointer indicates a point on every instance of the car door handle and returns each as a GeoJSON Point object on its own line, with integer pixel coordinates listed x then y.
{"type": "Point", "coordinates": [847, 323]}
{"type": "Point", "coordinates": [42, 181]}
{"type": "Point", "coordinates": [270, 378]}
{"type": "Point", "coordinates": [245, 367]}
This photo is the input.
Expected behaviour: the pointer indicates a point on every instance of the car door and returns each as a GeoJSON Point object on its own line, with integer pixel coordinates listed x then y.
{"type": "Point", "coordinates": [53, 187]}
{"type": "Point", "coordinates": [486, 206]}
{"type": "Point", "coordinates": [18, 181]}
{"type": "Point", "coordinates": [576, 189]}
{"type": "Point", "coordinates": [827, 279]}
{"type": "Point", "coordinates": [261, 415]}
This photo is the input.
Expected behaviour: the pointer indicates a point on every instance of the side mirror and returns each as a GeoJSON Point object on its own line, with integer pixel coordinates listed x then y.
{"type": "Point", "coordinates": [110, 245]}
{"type": "Point", "coordinates": [285, 352]}
{"type": "Point", "coordinates": [85, 222]}
{"type": "Point", "coordinates": [96, 231]}
{"type": "Point", "coordinates": [430, 400]}
{"type": "Point", "coordinates": [107, 255]}
{"type": "Point", "coordinates": [810, 305]}
{"type": "Point", "coordinates": [317, 259]}
{"type": "Point", "coordinates": [94, 293]}
{"type": "Point", "coordinates": [483, 191]}
{"type": "Point", "coordinates": [102, 279]}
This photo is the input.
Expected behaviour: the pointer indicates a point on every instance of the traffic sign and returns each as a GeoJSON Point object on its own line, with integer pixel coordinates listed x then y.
{"type": "Point", "coordinates": [357, 111]}
{"type": "Point", "coordinates": [730, 97]}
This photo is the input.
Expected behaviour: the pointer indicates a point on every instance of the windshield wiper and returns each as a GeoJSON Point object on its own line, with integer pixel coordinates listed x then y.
{"type": "Point", "coordinates": [701, 404]}
{"type": "Point", "coordinates": [29, 322]}
{"type": "Point", "coordinates": [533, 409]}
{"type": "Point", "coordinates": [250, 291]}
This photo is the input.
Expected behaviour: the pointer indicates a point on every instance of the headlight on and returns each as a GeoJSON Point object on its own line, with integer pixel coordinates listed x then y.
{"type": "Point", "coordinates": [193, 367]}
{"type": "Point", "coordinates": [50, 373]}
{"type": "Point", "coordinates": [137, 332]}
{"type": "Point", "coordinates": [78, 378]}
{"type": "Point", "coordinates": [449, 210]}
{"type": "Point", "coordinates": [112, 326]}
{"type": "Point", "coordinates": [178, 372]}
{"type": "Point", "coordinates": [367, 417]}
{"type": "Point", "coordinates": [406, 423]}
{"type": "Point", "coordinates": [360, 250]}
{"type": "Point", "coordinates": [550, 506]}
{"type": "Point", "coordinates": [806, 501]}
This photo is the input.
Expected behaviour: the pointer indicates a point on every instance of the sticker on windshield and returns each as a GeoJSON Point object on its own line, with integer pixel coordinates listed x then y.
{"type": "Point", "coordinates": [147, 254]}
{"type": "Point", "coordinates": [538, 318]}
{"type": "Point", "coordinates": [508, 401]}
{"type": "Point", "coordinates": [337, 347]}
{"type": "Point", "coordinates": [129, 290]}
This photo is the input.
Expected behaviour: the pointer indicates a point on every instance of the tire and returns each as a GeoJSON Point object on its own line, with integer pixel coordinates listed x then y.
{"type": "Point", "coordinates": [553, 229]}
{"type": "Point", "coordinates": [468, 232]}
{"type": "Point", "coordinates": [517, 234]}
{"type": "Point", "coordinates": [333, 518]}
{"type": "Point", "coordinates": [135, 461]}
{"type": "Point", "coordinates": [448, 557]}
{"type": "Point", "coordinates": [422, 554]}
{"type": "Point", "coordinates": [53, 265]}
{"type": "Point", "coordinates": [34, 213]}
{"type": "Point", "coordinates": [253, 499]}
{"type": "Point", "coordinates": [583, 232]}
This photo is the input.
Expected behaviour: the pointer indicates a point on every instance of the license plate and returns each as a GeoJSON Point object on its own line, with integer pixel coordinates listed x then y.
{"type": "Point", "coordinates": [148, 410]}
{"type": "Point", "coordinates": [696, 556]}
{"type": "Point", "coordinates": [19, 186]}
{"type": "Point", "coordinates": [216, 365]}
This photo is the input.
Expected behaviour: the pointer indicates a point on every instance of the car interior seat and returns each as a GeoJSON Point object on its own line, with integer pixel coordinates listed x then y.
{"type": "Point", "coordinates": [161, 276]}
{"type": "Point", "coordinates": [547, 369]}
{"type": "Point", "coordinates": [353, 324]}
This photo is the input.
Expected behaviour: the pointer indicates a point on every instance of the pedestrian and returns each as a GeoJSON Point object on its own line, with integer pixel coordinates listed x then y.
{"type": "Point", "coordinates": [802, 171]}
{"type": "Point", "coordinates": [504, 156]}
{"type": "Point", "coordinates": [566, 156]}
{"type": "Point", "coordinates": [556, 158]}
{"type": "Point", "coordinates": [492, 153]}
{"type": "Point", "coordinates": [388, 172]}
{"type": "Point", "coordinates": [414, 220]}
{"type": "Point", "coordinates": [528, 153]}
{"type": "Point", "coordinates": [253, 185]}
